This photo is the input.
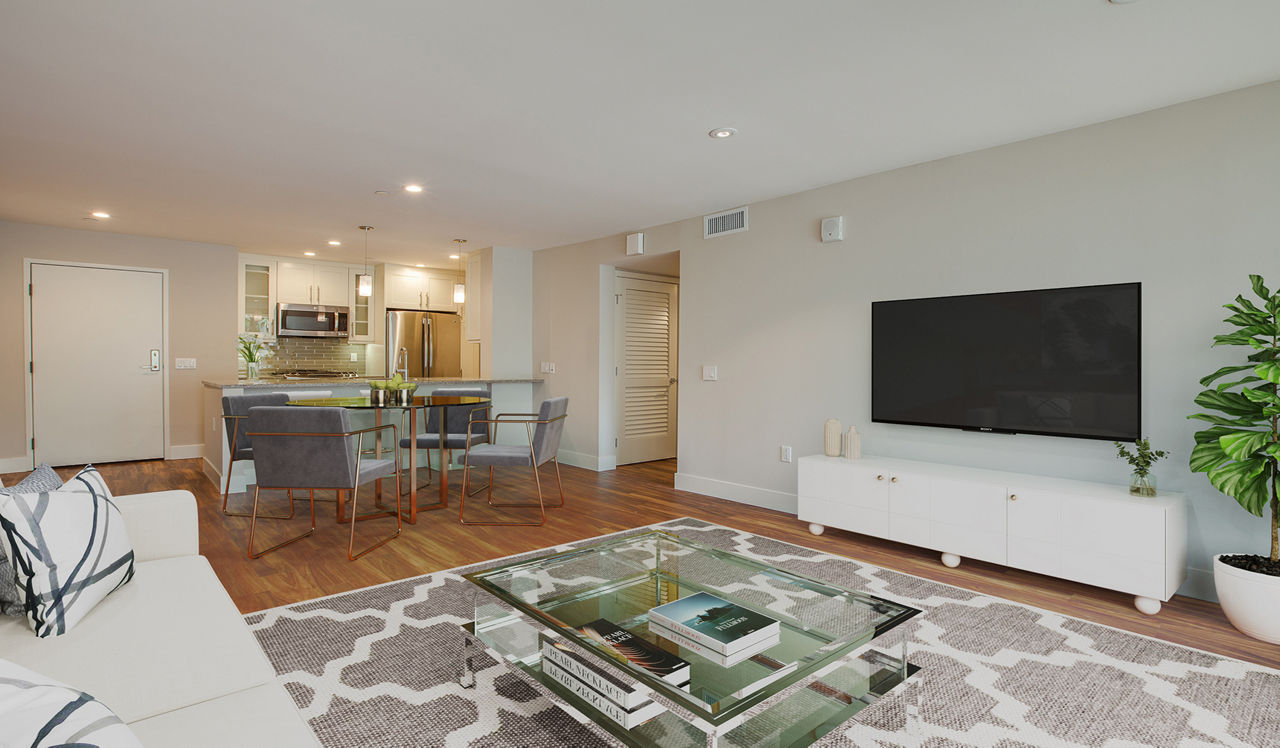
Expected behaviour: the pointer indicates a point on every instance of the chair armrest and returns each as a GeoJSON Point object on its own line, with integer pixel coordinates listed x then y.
{"type": "Point", "coordinates": [162, 524]}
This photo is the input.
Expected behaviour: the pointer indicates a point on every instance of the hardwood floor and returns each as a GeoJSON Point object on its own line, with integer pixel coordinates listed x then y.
{"type": "Point", "coordinates": [598, 503]}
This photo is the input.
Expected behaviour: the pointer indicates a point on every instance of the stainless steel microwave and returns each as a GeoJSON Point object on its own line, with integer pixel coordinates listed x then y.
{"type": "Point", "coordinates": [312, 320]}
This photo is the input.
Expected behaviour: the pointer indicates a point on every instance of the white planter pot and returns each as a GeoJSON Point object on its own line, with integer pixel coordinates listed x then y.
{"type": "Point", "coordinates": [1250, 600]}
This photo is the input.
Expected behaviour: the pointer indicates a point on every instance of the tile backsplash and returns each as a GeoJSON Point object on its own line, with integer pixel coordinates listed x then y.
{"type": "Point", "coordinates": [316, 353]}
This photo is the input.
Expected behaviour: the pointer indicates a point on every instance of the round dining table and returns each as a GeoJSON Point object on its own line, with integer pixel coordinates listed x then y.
{"type": "Point", "coordinates": [423, 402]}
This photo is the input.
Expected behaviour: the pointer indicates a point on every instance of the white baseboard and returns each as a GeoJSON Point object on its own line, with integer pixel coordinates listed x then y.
{"type": "Point", "coordinates": [590, 462]}
{"type": "Point", "coordinates": [1199, 585]}
{"type": "Point", "coordinates": [15, 464]}
{"type": "Point", "coordinates": [743, 494]}
{"type": "Point", "coordinates": [184, 451]}
{"type": "Point", "coordinates": [211, 471]}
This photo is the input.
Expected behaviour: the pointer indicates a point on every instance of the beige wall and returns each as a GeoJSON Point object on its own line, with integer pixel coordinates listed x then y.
{"type": "Point", "coordinates": [202, 310]}
{"type": "Point", "coordinates": [1183, 199]}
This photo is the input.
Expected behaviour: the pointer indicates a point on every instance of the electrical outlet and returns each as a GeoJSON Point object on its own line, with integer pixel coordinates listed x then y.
{"type": "Point", "coordinates": [784, 453]}
{"type": "Point", "coordinates": [551, 368]}
{"type": "Point", "coordinates": [354, 357]}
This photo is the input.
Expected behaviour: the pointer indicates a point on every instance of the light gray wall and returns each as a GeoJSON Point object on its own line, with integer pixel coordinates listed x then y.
{"type": "Point", "coordinates": [1182, 199]}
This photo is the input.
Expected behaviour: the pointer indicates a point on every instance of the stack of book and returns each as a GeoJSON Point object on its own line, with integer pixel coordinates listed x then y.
{"type": "Point", "coordinates": [714, 628]}
{"type": "Point", "coordinates": [622, 700]}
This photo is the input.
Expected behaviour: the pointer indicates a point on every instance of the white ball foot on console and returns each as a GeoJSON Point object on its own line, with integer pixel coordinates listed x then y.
{"type": "Point", "coordinates": [1147, 605]}
{"type": "Point", "coordinates": [816, 528]}
{"type": "Point", "coordinates": [950, 560]}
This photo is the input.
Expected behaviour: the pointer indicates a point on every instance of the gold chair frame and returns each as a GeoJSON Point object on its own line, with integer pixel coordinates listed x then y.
{"type": "Point", "coordinates": [356, 517]}
{"type": "Point", "coordinates": [529, 420]}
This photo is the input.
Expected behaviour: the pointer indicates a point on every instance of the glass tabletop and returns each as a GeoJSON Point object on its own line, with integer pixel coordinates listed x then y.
{"type": "Point", "coordinates": [426, 401]}
{"type": "Point", "coordinates": [621, 580]}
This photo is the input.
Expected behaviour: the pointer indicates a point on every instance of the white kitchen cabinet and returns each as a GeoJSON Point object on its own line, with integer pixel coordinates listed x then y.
{"type": "Point", "coordinates": [475, 302]}
{"type": "Point", "coordinates": [312, 283]}
{"type": "Point", "coordinates": [360, 327]}
{"type": "Point", "coordinates": [1088, 532]}
{"type": "Point", "coordinates": [256, 294]}
{"type": "Point", "coordinates": [418, 288]}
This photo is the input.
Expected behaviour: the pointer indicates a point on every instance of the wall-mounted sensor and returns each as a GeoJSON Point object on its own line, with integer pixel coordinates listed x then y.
{"type": "Point", "coordinates": [833, 229]}
{"type": "Point", "coordinates": [635, 244]}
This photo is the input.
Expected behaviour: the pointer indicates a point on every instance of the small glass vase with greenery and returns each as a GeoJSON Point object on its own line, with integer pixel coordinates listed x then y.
{"type": "Point", "coordinates": [254, 347]}
{"type": "Point", "coordinates": [1241, 451]}
{"type": "Point", "coordinates": [1142, 482]}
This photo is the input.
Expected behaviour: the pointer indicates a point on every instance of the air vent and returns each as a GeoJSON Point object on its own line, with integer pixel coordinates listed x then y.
{"type": "Point", "coordinates": [728, 222]}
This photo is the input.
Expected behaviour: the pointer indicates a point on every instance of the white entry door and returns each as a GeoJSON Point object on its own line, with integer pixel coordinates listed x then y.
{"type": "Point", "coordinates": [97, 359]}
{"type": "Point", "coordinates": [645, 327]}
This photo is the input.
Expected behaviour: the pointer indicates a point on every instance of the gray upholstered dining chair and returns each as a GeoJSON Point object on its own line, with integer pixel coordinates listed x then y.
{"type": "Point", "coordinates": [460, 431]}
{"type": "Point", "coordinates": [543, 430]}
{"type": "Point", "coordinates": [315, 448]}
{"type": "Point", "coordinates": [235, 409]}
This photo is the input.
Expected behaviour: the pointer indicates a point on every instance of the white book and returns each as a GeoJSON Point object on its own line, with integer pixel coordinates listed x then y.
{"type": "Point", "coordinates": [627, 694]}
{"type": "Point", "coordinates": [628, 718]}
{"type": "Point", "coordinates": [708, 653]}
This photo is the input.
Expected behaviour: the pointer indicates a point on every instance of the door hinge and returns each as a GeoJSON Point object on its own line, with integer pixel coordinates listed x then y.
{"type": "Point", "coordinates": [29, 289]}
{"type": "Point", "coordinates": [31, 367]}
{"type": "Point", "coordinates": [33, 443]}
{"type": "Point", "coordinates": [617, 298]}
{"type": "Point", "coordinates": [615, 371]}
{"type": "Point", "coordinates": [615, 441]}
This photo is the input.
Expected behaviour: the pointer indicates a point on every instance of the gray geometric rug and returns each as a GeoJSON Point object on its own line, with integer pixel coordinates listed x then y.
{"type": "Point", "coordinates": [377, 667]}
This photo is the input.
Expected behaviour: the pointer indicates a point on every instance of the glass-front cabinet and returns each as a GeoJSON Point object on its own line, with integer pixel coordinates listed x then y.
{"type": "Point", "coordinates": [361, 325]}
{"type": "Point", "coordinates": [257, 294]}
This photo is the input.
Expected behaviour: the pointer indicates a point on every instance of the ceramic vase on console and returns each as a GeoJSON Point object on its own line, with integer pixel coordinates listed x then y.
{"type": "Point", "coordinates": [831, 437]}
{"type": "Point", "coordinates": [853, 444]}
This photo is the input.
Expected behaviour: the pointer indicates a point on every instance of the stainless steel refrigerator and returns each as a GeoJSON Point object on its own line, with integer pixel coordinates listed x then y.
{"type": "Point", "coordinates": [424, 344]}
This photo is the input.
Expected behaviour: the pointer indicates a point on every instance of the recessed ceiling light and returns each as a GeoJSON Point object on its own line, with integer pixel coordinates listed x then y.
{"type": "Point", "coordinates": [413, 188]}
{"type": "Point", "coordinates": [309, 254]}
{"type": "Point", "coordinates": [419, 265]}
{"type": "Point", "coordinates": [100, 214]}
{"type": "Point", "coordinates": [381, 193]}
{"type": "Point", "coordinates": [335, 243]}
{"type": "Point", "coordinates": [720, 133]}
{"type": "Point", "coordinates": [455, 257]}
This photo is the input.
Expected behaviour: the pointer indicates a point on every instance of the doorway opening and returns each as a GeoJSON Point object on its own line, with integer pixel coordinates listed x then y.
{"type": "Point", "coordinates": [646, 358]}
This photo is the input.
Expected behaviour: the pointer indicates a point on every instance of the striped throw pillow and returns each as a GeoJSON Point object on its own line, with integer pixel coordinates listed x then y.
{"type": "Point", "coordinates": [42, 713]}
{"type": "Point", "coordinates": [42, 478]}
{"type": "Point", "coordinates": [70, 550]}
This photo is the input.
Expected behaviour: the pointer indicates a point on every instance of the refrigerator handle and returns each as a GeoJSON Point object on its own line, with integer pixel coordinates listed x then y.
{"type": "Point", "coordinates": [431, 351]}
{"type": "Point", "coordinates": [426, 346]}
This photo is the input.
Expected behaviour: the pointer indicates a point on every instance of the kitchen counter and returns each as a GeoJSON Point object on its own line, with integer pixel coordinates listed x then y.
{"type": "Point", "coordinates": [278, 382]}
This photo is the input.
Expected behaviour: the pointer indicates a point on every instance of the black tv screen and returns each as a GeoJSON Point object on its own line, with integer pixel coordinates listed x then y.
{"type": "Point", "coordinates": [1059, 361]}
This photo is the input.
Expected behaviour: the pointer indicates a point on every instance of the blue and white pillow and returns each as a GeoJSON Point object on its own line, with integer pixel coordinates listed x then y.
{"type": "Point", "coordinates": [42, 713]}
{"type": "Point", "coordinates": [70, 549]}
{"type": "Point", "coordinates": [42, 478]}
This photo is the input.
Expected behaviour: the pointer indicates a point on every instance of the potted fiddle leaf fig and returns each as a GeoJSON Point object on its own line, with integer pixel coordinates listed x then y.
{"type": "Point", "coordinates": [1240, 452]}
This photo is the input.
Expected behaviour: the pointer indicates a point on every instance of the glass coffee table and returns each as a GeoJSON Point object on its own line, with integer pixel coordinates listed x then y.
{"type": "Point", "coordinates": [836, 651]}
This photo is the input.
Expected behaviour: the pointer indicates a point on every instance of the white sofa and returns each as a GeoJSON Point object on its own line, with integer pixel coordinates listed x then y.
{"type": "Point", "coordinates": [168, 652]}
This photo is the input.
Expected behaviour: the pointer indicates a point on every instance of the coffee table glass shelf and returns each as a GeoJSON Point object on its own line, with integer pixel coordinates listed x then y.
{"type": "Point", "coordinates": [838, 651]}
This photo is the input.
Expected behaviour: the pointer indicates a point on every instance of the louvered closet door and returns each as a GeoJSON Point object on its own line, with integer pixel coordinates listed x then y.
{"type": "Point", "coordinates": [645, 341]}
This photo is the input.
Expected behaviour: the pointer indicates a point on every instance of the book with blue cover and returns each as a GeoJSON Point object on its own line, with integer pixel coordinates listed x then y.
{"type": "Point", "coordinates": [714, 622]}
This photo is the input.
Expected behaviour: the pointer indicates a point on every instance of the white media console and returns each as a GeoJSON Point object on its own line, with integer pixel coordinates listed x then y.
{"type": "Point", "coordinates": [1094, 533]}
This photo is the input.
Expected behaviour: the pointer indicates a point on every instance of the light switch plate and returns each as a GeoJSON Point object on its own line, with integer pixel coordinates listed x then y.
{"type": "Point", "coordinates": [709, 374]}
{"type": "Point", "coordinates": [184, 363]}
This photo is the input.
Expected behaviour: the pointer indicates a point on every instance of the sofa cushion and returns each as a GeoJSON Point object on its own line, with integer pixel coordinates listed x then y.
{"type": "Point", "coordinates": [70, 548]}
{"type": "Point", "coordinates": [42, 478]}
{"type": "Point", "coordinates": [38, 711]}
{"type": "Point", "coordinates": [265, 716]}
{"type": "Point", "coordinates": [170, 638]}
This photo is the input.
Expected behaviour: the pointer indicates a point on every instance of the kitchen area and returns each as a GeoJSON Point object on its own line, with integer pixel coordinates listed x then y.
{"type": "Point", "coordinates": [325, 329]}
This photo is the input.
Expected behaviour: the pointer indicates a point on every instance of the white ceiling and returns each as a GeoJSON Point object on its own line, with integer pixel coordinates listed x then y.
{"type": "Point", "coordinates": [268, 125]}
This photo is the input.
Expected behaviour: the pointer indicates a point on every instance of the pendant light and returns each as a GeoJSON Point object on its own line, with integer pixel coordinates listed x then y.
{"type": "Point", "coordinates": [459, 289]}
{"type": "Point", "coordinates": [364, 281]}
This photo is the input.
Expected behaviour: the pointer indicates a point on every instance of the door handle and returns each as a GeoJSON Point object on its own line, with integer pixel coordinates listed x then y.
{"type": "Point", "coordinates": [894, 479]}
{"type": "Point", "coordinates": [431, 348]}
{"type": "Point", "coordinates": [673, 381]}
{"type": "Point", "coordinates": [155, 359]}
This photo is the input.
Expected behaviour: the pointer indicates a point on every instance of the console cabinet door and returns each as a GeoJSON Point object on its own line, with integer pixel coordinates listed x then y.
{"type": "Point", "coordinates": [969, 519]}
{"type": "Point", "coordinates": [1035, 530]}
{"type": "Point", "coordinates": [1115, 544]}
{"type": "Point", "coordinates": [909, 501]}
{"type": "Point", "coordinates": [848, 496]}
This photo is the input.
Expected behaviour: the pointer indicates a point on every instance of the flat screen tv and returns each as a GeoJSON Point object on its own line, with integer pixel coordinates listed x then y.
{"type": "Point", "coordinates": [1057, 361]}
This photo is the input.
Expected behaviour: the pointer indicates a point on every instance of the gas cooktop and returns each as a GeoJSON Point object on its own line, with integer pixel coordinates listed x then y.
{"type": "Point", "coordinates": [314, 374]}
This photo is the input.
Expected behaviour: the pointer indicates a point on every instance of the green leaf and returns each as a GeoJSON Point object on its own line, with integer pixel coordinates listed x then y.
{"type": "Point", "coordinates": [1259, 288]}
{"type": "Point", "coordinates": [1249, 320]}
{"type": "Point", "coordinates": [1247, 305]}
{"type": "Point", "coordinates": [1245, 481]}
{"type": "Point", "coordinates": [1204, 381]}
{"type": "Point", "coordinates": [1242, 444]}
{"type": "Point", "coordinates": [1231, 403]}
{"type": "Point", "coordinates": [1269, 354]}
{"type": "Point", "coordinates": [1261, 394]}
{"type": "Point", "coordinates": [1273, 449]}
{"type": "Point", "coordinates": [1233, 338]}
{"type": "Point", "coordinates": [1223, 421]}
{"type": "Point", "coordinates": [1212, 434]}
{"type": "Point", "coordinates": [1229, 385]}
{"type": "Point", "coordinates": [1207, 456]}
{"type": "Point", "coordinates": [1269, 371]}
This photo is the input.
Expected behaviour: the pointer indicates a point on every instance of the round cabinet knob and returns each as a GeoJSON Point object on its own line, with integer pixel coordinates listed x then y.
{"type": "Point", "coordinates": [1013, 497]}
{"type": "Point", "coordinates": [879, 477]}
{"type": "Point", "coordinates": [894, 479]}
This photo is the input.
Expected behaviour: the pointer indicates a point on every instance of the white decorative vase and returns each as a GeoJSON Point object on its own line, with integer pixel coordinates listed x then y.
{"type": "Point", "coordinates": [1250, 600]}
{"type": "Point", "coordinates": [831, 438]}
{"type": "Point", "coordinates": [853, 444]}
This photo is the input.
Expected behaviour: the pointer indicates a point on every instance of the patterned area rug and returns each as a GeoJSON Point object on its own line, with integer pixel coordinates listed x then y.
{"type": "Point", "coordinates": [377, 667]}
